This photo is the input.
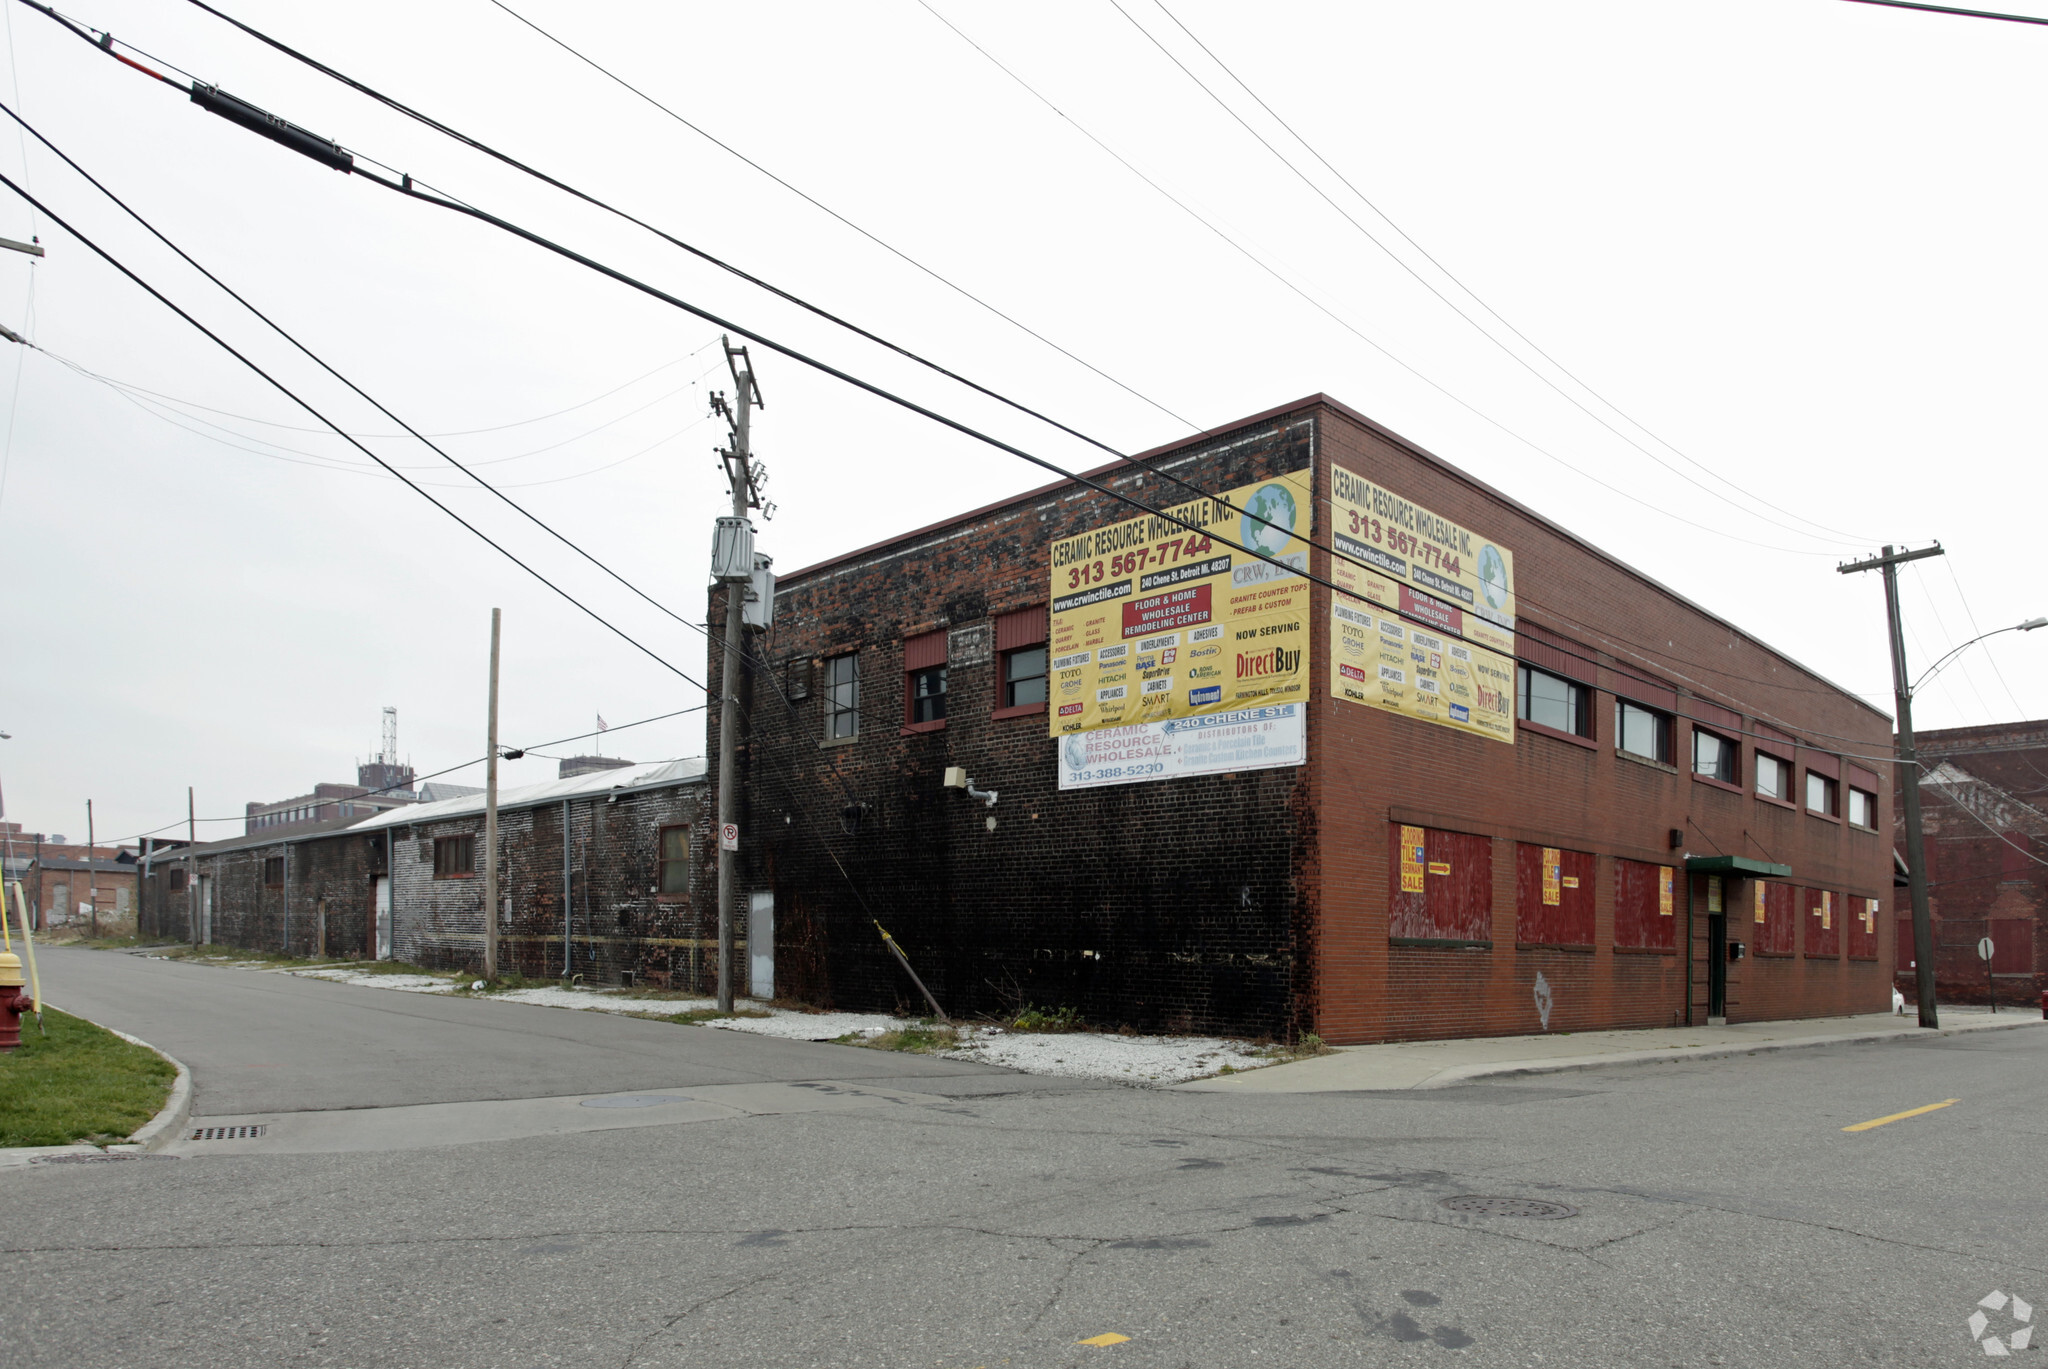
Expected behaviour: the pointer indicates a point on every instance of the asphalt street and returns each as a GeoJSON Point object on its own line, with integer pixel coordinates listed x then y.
{"type": "Point", "coordinates": [949, 1216]}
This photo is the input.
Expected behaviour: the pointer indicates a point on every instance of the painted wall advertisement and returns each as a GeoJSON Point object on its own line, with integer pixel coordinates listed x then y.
{"type": "Point", "coordinates": [1442, 583]}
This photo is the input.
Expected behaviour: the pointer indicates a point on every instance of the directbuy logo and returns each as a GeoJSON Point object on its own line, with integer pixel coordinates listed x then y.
{"type": "Point", "coordinates": [1278, 661]}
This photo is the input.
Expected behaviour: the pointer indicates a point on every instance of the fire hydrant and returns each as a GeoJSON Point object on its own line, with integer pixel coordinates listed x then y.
{"type": "Point", "coordinates": [13, 1002]}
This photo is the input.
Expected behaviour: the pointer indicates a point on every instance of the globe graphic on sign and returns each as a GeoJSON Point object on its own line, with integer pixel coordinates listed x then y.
{"type": "Point", "coordinates": [1269, 519]}
{"type": "Point", "coordinates": [1493, 576]}
{"type": "Point", "coordinates": [1076, 752]}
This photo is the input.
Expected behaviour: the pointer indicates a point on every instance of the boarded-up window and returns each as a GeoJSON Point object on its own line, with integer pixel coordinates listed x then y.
{"type": "Point", "coordinates": [1903, 946]}
{"type": "Point", "coordinates": [1861, 933]}
{"type": "Point", "coordinates": [1823, 924]}
{"type": "Point", "coordinates": [1773, 917]}
{"type": "Point", "coordinates": [1553, 896]}
{"type": "Point", "coordinates": [273, 871]}
{"type": "Point", "coordinates": [2012, 942]}
{"type": "Point", "coordinates": [2013, 859]}
{"type": "Point", "coordinates": [1645, 906]}
{"type": "Point", "coordinates": [1440, 888]}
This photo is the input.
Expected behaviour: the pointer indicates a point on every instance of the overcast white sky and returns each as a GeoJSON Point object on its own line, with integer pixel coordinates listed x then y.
{"type": "Point", "coordinates": [1798, 239]}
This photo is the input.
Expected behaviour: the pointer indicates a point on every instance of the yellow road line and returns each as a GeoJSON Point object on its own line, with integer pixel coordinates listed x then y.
{"type": "Point", "coordinates": [1902, 1116]}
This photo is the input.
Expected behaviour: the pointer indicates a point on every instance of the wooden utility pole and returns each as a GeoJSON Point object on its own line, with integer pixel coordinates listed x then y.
{"type": "Point", "coordinates": [1909, 778]}
{"type": "Point", "coordinates": [491, 820]}
{"type": "Point", "coordinates": [740, 474]}
{"type": "Point", "coordinates": [92, 872]}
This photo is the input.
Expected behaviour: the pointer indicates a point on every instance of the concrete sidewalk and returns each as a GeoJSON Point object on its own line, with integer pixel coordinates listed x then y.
{"type": "Point", "coordinates": [1440, 1064]}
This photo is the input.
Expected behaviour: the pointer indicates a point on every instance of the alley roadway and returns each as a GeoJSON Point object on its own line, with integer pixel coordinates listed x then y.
{"type": "Point", "coordinates": [1723, 1217]}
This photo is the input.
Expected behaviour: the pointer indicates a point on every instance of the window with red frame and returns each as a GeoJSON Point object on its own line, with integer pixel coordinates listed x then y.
{"type": "Point", "coordinates": [924, 681]}
{"type": "Point", "coordinates": [1553, 896]}
{"type": "Point", "coordinates": [1823, 924]}
{"type": "Point", "coordinates": [1440, 888]}
{"type": "Point", "coordinates": [1021, 664]}
{"type": "Point", "coordinates": [1773, 918]}
{"type": "Point", "coordinates": [1861, 933]}
{"type": "Point", "coordinates": [1646, 906]}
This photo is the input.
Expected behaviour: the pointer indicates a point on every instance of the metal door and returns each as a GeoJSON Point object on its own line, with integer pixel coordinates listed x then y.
{"type": "Point", "coordinates": [761, 943]}
{"type": "Point", "coordinates": [380, 921]}
{"type": "Point", "coordinates": [1717, 965]}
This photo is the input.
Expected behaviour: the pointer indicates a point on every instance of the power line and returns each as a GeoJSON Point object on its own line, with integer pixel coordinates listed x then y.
{"type": "Point", "coordinates": [414, 189]}
{"type": "Point", "coordinates": [225, 346]}
{"type": "Point", "coordinates": [859, 331]}
{"type": "Point", "coordinates": [1951, 9]}
{"type": "Point", "coordinates": [1330, 313]}
{"type": "Point", "coordinates": [894, 251]}
{"type": "Point", "coordinates": [1426, 284]}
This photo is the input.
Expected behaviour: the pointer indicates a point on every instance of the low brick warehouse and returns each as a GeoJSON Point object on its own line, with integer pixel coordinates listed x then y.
{"type": "Point", "coordinates": [1983, 798]}
{"type": "Point", "coordinates": [1391, 877]}
{"type": "Point", "coordinates": [405, 884]}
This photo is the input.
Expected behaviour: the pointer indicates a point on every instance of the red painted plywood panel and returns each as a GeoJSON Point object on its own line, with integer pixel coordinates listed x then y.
{"type": "Point", "coordinates": [1553, 896]}
{"type": "Point", "coordinates": [1647, 907]}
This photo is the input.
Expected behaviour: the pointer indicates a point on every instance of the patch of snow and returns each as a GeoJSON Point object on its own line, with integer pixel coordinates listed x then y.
{"type": "Point", "coordinates": [405, 983]}
{"type": "Point", "coordinates": [1100, 1055]}
{"type": "Point", "coordinates": [812, 1026]}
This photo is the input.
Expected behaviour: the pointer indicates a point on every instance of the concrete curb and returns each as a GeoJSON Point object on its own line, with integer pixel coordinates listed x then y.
{"type": "Point", "coordinates": [1465, 1074]}
{"type": "Point", "coordinates": [164, 1128]}
{"type": "Point", "coordinates": [153, 1135]}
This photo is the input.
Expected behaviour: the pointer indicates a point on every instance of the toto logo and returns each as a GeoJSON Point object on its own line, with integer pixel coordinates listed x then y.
{"type": "Point", "coordinates": [2016, 1333]}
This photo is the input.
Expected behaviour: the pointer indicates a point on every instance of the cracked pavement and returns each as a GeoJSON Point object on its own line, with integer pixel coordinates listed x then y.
{"type": "Point", "coordinates": [1723, 1218]}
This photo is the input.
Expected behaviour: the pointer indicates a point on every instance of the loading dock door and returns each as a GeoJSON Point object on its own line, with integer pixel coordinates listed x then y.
{"type": "Point", "coordinates": [761, 943]}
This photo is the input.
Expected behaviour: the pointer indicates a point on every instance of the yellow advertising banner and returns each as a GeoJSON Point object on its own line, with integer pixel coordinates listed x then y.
{"type": "Point", "coordinates": [1827, 911]}
{"type": "Point", "coordinates": [1151, 621]}
{"type": "Point", "coordinates": [1869, 916]}
{"type": "Point", "coordinates": [1664, 891]}
{"type": "Point", "coordinates": [1411, 860]}
{"type": "Point", "coordinates": [1759, 900]}
{"type": "Point", "coordinates": [1553, 877]}
{"type": "Point", "coordinates": [1382, 661]}
{"type": "Point", "coordinates": [1401, 556]}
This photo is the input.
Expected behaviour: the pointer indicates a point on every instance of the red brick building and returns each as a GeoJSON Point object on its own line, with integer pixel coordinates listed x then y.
{"type": "Point", "coordinates": [1984, 824]}
{"type": "Point", "coordinates": [1526, 789]}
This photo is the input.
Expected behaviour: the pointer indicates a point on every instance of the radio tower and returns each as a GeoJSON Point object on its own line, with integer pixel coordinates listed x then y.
{"type": "Point", "coordinates": [385, 774]}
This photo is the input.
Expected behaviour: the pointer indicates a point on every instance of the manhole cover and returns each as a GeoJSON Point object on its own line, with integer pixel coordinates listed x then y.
{"type": "Point", "coordinates": [630, 1100]}
{"type": "Point", "coordinates": [1506, 1207]}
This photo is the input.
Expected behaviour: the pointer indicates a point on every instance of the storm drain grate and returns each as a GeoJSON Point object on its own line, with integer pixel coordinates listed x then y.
{"type": "Point", "coordinates": [1506, 1207]}
{"type": "Point", "coordinates": [227, 1133]}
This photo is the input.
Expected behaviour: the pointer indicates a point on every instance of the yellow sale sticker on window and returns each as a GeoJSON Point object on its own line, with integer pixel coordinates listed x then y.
{"type": "Point", "coordinates": [1411, 860]}
{"type": "Point", "coordinates": [1571, 881]}
{"type": "Point", "coordinates": [1664, 891]}
{"type": "Point", "coordinates": [1759, 900]}
{"type": "Point", "coordinates": [1553, 876]}
{"type": "Point", "coordinates": [1827, 911]}
{"type": "Point", "coordinates": [1439, 867]}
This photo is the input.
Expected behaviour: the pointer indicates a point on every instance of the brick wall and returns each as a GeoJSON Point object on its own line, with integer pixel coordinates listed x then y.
{"type": "Point", "coordinates": [1982, 806]}
{"type": "Point", "coordinates": [1169, 906]}
{"type": "Point", "coordinates": [618, 922]}
{"type": "Point", "coordinates": [1258, 903]}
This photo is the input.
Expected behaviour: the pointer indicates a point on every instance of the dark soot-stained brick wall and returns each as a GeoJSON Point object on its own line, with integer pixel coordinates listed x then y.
{"type": "Point", "coordinates": [1165, 906]}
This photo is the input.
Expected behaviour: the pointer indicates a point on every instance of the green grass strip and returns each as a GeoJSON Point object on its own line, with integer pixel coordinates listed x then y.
{"type": "Point", "coordinates": [79, 1083]}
